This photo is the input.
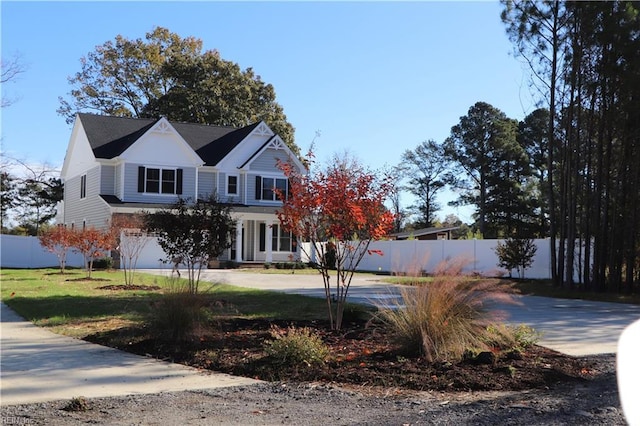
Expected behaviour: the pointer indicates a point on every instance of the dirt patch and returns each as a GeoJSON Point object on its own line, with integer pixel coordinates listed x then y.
{"type": "Point", "coordinates": [360, 356]}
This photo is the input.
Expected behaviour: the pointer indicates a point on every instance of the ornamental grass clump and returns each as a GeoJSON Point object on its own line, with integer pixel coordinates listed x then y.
{"type": "Point", "coordinates": [442, 319]}
{"type": "Point", "coordinates": [296, 346]}
{"type": "Point", "coordinates": [179, 314]}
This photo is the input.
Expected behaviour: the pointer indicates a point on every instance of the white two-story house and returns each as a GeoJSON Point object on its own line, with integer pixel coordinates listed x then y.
{"type": "Point", "coordinates": [126, 165]}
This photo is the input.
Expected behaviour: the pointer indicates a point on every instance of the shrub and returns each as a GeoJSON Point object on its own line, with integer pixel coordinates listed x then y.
{"type": "Point", "coordinates": [296, 346]}
{"type": "Point", "coordinates": [77, 404]}
{"type": "Point", "coordinates": [231, 264]}
{"type": "Point", "coordinates": [290, 265]}
{"type": "Point", "coordinates": [330, 256]}
{"type": "Point", "coordinates": [516, 253]}
{"type": "Point", "coordinates": [103, 263]}
{"type": "Point", "coordinates": [508, 337]}
{"type": "Point", "coordinates": [441, 319]}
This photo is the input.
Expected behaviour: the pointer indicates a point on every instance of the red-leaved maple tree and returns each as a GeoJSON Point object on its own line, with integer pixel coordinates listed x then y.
{"type": "Point", "coordinates": [58, 240]}
{"type": "Point", "coordinates": [339, 210]}
{"type": "Point", "coordinates": [93, 243]}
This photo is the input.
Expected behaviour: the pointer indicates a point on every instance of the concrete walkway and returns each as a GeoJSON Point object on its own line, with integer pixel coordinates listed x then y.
{"type": "Point", "coordinates": [573, 327]}
{"type": "Point", "coordinates": [37, 365]}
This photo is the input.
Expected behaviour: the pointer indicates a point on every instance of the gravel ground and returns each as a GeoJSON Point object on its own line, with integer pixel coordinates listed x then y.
{"type": "Point", "coordinates": [593, 402]}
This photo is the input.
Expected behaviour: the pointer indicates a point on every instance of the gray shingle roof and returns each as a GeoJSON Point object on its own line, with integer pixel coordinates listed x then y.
{"type": "Point", "coordinates": [111, 136]}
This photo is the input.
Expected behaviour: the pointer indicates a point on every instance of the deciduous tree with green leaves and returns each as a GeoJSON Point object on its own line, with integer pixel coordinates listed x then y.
{"type": "Point", "coordinates": [165, 74]}
{"type": "Point", "coordinates": [516, 253]}
{"type": "Point", "coordinates": [194, 232]}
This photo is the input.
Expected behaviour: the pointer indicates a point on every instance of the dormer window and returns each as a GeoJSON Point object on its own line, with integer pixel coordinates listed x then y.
{"type": "Point", "coordinates": [159, 181]}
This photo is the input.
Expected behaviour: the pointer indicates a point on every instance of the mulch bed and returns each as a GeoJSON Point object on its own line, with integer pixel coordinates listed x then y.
{"type": "Point", "coordinates": [361, 355]}
{"type": "Point", "coordinates": [87, 279]}
{"type": "Point", "coordinates": [129, 287]}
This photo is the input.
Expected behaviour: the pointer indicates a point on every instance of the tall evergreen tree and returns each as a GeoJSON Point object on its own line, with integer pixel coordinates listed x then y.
{"type": "Point", "coordinates": [426, 167]}
{"type": "Point", "coordinates": [533, 138]}
{"type": "Point", "coordinates": [594, 127]}
{"type": "Point", "coordinates": [490, 165]}
{"type": "Point", "coordinates": [538, 31]}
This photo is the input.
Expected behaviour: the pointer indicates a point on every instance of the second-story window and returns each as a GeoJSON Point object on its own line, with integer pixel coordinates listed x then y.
{"type": "Point", "coordinates": [159, 181]}
{"type": "Point", "coordinates": [232, 185]}
{"type": "Point", "coordinates": [268, 188]}
{"type": "Point", "coordinates": [83, 186]}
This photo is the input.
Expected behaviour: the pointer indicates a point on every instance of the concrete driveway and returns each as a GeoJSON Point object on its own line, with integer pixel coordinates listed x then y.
{"type": "Point", "coordinates": [573, 327]}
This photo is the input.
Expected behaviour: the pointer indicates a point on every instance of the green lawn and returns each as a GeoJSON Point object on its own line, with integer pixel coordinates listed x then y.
{"type": "Point", "coordinates": [72, 305]}
{"type": "Point", "coordinates": [75, 306]}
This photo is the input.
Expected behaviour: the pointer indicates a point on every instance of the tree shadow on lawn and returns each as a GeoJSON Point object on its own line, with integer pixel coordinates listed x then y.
{"type": "Point", "coordinates": [72, 307]}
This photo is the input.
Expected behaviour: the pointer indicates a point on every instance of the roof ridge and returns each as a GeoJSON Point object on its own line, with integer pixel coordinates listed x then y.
{"type": "Point", "coordinates": [155, 119]}
{"type": "Point", "coordinates": [203, 124]}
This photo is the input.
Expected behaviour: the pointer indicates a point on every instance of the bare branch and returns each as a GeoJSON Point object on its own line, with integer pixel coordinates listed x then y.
{"type": "Point", "coordinates": [11, 68]}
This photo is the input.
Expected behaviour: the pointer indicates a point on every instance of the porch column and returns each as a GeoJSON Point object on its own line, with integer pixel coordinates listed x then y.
{"type": "Point", "coordinates": [239, 240]}
{"type": "Point", "coordinates": [269, 241]}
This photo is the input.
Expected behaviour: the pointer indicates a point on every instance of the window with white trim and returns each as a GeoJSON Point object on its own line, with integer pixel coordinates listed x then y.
{"type": "Point", "coordinates": [232, 184]}
{"type": "Point", "coordinates": [153, 180]}
{"type": "Point", "coordinates": [266, 188]}
{"type": "Point", "coordinates": [280, 239]}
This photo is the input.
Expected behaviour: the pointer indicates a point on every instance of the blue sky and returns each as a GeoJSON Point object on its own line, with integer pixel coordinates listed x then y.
{"type": "Point", "coordinates": [375, 78]}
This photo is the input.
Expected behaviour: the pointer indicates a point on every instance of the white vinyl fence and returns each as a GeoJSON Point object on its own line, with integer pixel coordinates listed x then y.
{"type": "Point", "coordinates": [18, 251]}
{"type": "Point", "coordinates": [423, 256]}
{"type": "Point", "coordinates": [26, 252]}
{"type": "Point", "coordinates": [397, 256]}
